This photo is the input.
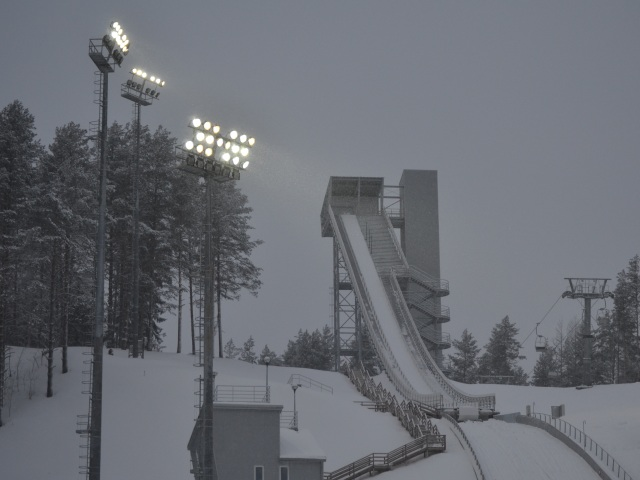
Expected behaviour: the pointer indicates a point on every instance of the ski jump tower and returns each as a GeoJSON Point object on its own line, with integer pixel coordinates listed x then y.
{"type": "Point", "coordinates": [409, 269]}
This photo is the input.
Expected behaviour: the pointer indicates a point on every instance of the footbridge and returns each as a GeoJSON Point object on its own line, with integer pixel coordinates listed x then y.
{"type": "Point", "coordinates": [376, 288]}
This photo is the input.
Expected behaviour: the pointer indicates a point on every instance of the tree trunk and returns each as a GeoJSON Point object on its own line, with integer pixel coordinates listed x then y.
{"type": "Point", "coordinates": [65, 312]}
{"type": "Point", "coordinates": [50, 339]}
{"type": "Point", "coordinates": [179, 347]}
{"type": "Point", "coordinates": [218, 295]}
{"type": "Point", "coordinates": [193, 327]}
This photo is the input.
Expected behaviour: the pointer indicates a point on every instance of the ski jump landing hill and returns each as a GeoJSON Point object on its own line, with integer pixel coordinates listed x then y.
{"type": "Point", "coordinates": [395, 284]}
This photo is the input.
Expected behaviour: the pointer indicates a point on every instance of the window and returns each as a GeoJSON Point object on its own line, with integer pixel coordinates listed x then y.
{"type": "Point", "coordinates": [258, 473]}
{"type": "Point", "coordinates": [284, 473]}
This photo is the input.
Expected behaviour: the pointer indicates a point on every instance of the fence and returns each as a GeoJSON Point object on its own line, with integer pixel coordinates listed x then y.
{"type": "Point", "coordinates": [304, 381]}
{"type": "Point", "coordinates": [242, 394]}
{"type": "Point", "coordinates": [477, 466]}
{"type": "Point", "coordinates": [380, 462]}
{"type": "Point", "coordinates": [589, 445]}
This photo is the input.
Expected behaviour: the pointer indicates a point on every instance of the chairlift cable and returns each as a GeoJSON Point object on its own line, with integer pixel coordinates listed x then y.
{"type": "Point", "coordinates": [543, 318]}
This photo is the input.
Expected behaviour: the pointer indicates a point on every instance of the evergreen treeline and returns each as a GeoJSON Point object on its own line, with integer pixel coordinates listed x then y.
{"type": "Point", "coordinates": [48, 223]}
{"type": "Point", "coordinates": [615, 346]}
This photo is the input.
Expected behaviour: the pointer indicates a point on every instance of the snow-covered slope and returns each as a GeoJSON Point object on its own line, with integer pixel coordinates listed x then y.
{"type": "Point", "coordinates": [148, 417]}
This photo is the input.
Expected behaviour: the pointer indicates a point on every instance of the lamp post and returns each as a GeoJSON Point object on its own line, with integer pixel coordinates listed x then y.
{"type": "Point", "coordinates": [267, 361]}
{"type": "Point", "coordinates": [215, 157]}
{"type": "Point", "coordinates": [140, 93]}
{"type": "Point", "coordinates": [106, 53]}
{"type": "Point", "coordinates": [295, 410]}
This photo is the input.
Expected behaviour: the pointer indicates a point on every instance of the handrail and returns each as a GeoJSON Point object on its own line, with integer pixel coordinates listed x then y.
{"type": "Point", "coordinates": [582, 439]}
{"type": "Point", "coordinates": [394, 239]}
{"type": "Point", "coordinates": [385, 353]}
{"type": "Point", "coordinates": [427, 305]}
{"type": "Point", "coordinates": [242, 394]}
{"type": "Point", "coordinates": [406, 319]}
{"type": "Point", "coordinates": [304, 381]}
{"type": "Point", "coordinates": [384, 461]}
{"type": "Point", "coordinates": [450, 419]}
{"type": "Point", "coordinates": [412, 415]}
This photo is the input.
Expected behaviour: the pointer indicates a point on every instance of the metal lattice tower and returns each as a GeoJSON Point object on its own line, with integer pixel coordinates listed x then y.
{"type": "Point", "coordinates": [587, 289]}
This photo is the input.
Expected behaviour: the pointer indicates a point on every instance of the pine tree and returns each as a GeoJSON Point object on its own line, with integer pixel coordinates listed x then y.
{"type": "Point", "coordinates": [247, 354]}
{"type": "Point", "coordinates": [230, 349]}
{"type": "Point", "coordinates": [234, 270]}
{"type": "Point", "coordinates": [274, 358]}
{"type": "Point", "coordinates": [544, 370]}
{"type": "Point", "coordinates": [605, 350]}
{"type": "Point", "coordinates": [464, 366]}
{"type": "Point", "coordinates": [627, 322]}
{"type": "Point", "coordinates": [310, 350]}
{"type": "Point", "coordinates": [499, 362]}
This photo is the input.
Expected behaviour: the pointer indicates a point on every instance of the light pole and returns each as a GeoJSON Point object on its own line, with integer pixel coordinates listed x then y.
{"type": "Point", "coordinates": [267, 361]}
{"type": "Point", "coordinates": [215, 157]}
{"type": "Point", "coordinates": [295, 410]}
{"type": "Point", "coordinates": [140, 93]}
{"type": "Point", "coordinates": [106, 53]}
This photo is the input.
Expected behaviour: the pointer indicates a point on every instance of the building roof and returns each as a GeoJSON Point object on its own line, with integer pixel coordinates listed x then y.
{"type": "Point", "coordinates": [300, 445]}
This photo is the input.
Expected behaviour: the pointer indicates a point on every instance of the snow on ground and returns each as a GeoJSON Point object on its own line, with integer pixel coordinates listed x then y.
{"type": "Point", "coordinates": [506, 450]}
{"type": "Point", "coordinates": [148, 416]}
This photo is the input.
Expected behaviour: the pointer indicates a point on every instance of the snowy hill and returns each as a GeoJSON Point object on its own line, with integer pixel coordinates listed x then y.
{"type": "Point", "coordinates": [148, 417]}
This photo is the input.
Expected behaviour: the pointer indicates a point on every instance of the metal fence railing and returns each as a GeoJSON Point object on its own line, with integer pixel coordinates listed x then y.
{"type": "Point", "coordinates": [587, 443]}
{"type": "Point", "coordinates": [304, 381]}
{"type": "Point", "coordinates": [242, 394]}
{"type": "Point", "coordinates": [464, 439]}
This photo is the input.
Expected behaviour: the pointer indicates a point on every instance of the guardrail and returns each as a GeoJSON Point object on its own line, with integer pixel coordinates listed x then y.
{"type": "Point", "coordinates": [406, 320]}
{"type": "Point", "coordinates": [376, 462]}
{"type": "Point", "coordinates": [587, 443]}
{"type": "Point", "coordinates": [289, 419]}
{"type": "Point", "coordinates": [242, 394]}
{"type": "Point", "coordinates": [467, 443]}
{"type": "Point", "coordinates": [396, 376]}
{"type": "Point", "coordinates": [304, 381]}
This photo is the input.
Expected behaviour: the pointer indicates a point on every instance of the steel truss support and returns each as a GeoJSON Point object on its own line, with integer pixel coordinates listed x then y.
{"type": "Point", "coordinates": [347, 318]}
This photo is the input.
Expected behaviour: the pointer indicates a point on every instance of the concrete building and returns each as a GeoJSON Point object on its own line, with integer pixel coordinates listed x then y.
{"type": "Point", "coordinates": [249, 444]}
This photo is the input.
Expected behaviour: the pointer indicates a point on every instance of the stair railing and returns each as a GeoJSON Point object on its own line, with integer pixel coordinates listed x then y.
{"type": "Point", "coordinates": [385, 353]}
{"type": "Point", "coordinates": [587, 443]}
{"type": "Point", "coordinates": [423, 355]}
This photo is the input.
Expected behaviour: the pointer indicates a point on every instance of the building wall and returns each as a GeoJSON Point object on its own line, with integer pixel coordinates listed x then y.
{"type": "Point", "coordinates": [245, 436]}
{"type": "Point", "coordinates": [305, 469]}
{"type": "Point", "coordinates": [420, 235]}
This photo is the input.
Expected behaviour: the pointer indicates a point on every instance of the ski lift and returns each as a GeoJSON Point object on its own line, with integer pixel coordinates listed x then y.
{"type": "Point", "coordinates": [541, 341]}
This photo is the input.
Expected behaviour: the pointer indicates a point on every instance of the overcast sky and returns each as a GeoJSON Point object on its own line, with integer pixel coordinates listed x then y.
{"type": "Point", "coordinates": [529, 111]}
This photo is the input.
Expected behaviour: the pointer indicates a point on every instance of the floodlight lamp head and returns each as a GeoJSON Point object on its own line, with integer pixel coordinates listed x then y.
{"type": "Point", "coordinates": [233, 134]}
{"type": "Point", "coordinates": [245, 165]}
{"type": "Point", "coordinates": [196, 122]}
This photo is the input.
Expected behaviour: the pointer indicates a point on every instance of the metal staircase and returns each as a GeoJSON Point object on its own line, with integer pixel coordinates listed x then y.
{"type": "Point", "coordinates": [393, 270]}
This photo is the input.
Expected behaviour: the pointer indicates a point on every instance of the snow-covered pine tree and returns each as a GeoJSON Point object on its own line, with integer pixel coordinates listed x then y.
{"type": "Point", "coordinates": [464, 366]}
{"type": "Point", "coordinates": [247, 354]}
{"type": "Point", "coordinates": [230, 349]}
{"type": "Point", "coordinates": [499, 362]}
{"type": "Point", "coordinates": [274, 358]}
{"type": "Point", "coordinates": [627, 322]}
{"type": "Point", "coordinates": [234, 269]}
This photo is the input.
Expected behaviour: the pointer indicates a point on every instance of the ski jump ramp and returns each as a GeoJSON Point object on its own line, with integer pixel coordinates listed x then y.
{"type": "Point", "coordinates": [388, 291]}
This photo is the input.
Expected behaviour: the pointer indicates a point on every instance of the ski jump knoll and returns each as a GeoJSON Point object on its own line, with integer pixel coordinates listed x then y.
{"type": "Point", "coordinates": [398, 302]}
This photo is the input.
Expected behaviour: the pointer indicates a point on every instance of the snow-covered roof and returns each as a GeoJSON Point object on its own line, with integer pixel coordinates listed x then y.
{"type": "Point", "coordinates": [299, 445]}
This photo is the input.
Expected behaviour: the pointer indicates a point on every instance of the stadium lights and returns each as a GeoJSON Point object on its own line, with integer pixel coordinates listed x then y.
{"type": "Point", "coordinates": [142, 88]}
{"type": "Point", "coordinates": [225, 156]}
{"type": "Point", "coordinates": [116, 42]}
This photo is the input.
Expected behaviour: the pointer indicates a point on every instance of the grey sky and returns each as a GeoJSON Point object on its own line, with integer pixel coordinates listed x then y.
{"type": "Point", "coordinates": [530, 112]}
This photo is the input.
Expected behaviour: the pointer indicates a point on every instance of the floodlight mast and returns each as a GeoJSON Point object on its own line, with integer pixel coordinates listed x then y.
{"type": "Point", "coordinates": [215, 157]}
{"type": "Point", "coordinates": [106, 53]}
{"type": "Point", "coordinates": [136, 90]}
